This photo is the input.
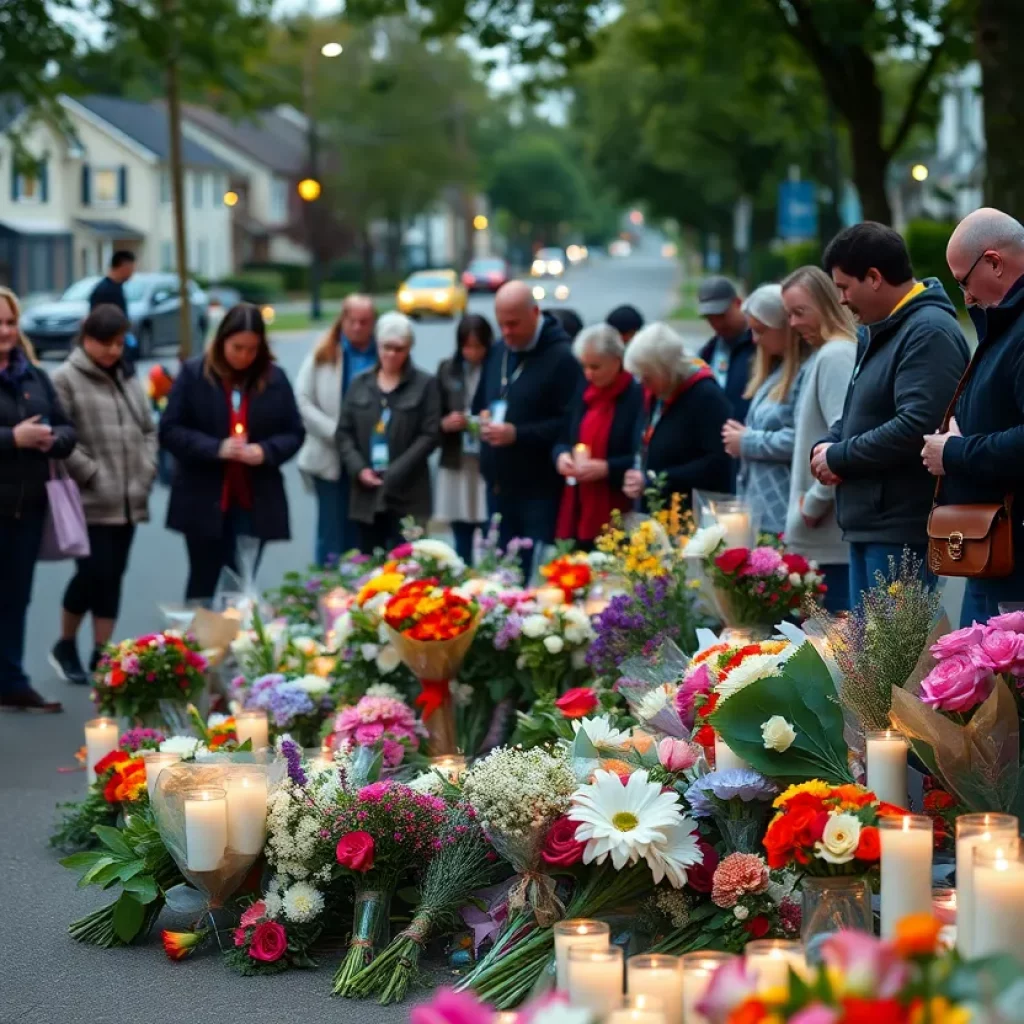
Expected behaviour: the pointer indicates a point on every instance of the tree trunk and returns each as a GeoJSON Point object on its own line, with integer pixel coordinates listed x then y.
{"type": "Point", "coordinates": [870, 163]}
{"type": "Point", "coordinates": [1000, 26]}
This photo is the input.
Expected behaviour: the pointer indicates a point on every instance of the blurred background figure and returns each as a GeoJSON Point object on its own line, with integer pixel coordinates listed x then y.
{"type": "Point", "coordinates": [570, 321]}
{"type": "Point", "coordinates": [626, 320]}
{"type": "Point", "coordinates": [730, 353]}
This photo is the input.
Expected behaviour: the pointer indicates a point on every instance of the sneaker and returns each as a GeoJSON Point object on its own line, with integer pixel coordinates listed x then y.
{"type": "Point", "coordinates": [66, 663]}
{"type": "Point", "coordinates": [29, 700]}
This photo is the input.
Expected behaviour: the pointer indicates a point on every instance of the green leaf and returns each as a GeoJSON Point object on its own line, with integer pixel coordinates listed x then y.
{"type": "Point", "coordinates": [131, 869]}
{"type": "Point", "coordinates": [128, 917]}
{"type": "Point", "coordinates": [107, 876]}
{"type": "Point", "coordinates": [143, 887]}
{"type": "Point", "coordinates": [583, 747]}
{"type": "Point", "coordinates": [104, 861]}
{"type": "Point", "coordinates": [82, 861]}
{"type": "Point", "coordinates": [112, 839]}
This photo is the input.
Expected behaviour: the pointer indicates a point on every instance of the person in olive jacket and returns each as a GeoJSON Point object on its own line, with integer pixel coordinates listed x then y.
{"type": "Point", "coordinates": [33, 431]}
{"type": "Point", "coordinates": [390, 423]}
{"type": "Point", "coordinates": [231, 422]}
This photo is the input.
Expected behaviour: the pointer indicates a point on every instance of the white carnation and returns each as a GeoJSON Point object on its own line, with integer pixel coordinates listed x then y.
{"type": "Point", "coordinates": [748, 671]}
{"type": "Point", "coordinates": [429, 784]}
{"type": "Point", "coordinates": [535, 626]}
{"type": "Point", "coordinates": [740, 912]}
{"type": "Point", "coordinates": [184, 746]}
{"type": "Point", "coordinates": [273, 904]}
{"type": "Point", "coordinates": [313, 685]}
{"type": "Point", "coordinates": [554, 644]}
{"type": "Point", "coordinates": [369, 652]}
{"type": "Point", "coordinates": [302, 903]}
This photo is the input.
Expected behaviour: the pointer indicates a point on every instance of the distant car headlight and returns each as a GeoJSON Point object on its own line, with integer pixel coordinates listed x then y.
{"type": "Point", "coordinates": [538, 292]}
{"type": "Point", "coordinates": [562, 292]}
{"type": "Point", "coordinates": [405, 296]}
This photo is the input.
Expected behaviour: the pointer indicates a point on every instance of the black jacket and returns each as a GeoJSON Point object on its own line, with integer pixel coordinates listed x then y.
{"type": "Point", "coordinates": [903, 382]}
{"type": "Point", "coordinates": [108, 293]}
{"type": "Point", "coordinates": [741, 354]}
{"type": "Point", "coordinates": [192, 427]}
{"type": "Point", "coordinates": [412, 435]}
{"type": "Point", "coordinates": [24, 393]}
{"type": "Point", "coordinates": [546, 378]}
{"type": "Point", "coordinates": [452, 383]}
{"type": "Point", "coordinates": [624, 439]}
{"type": "Point", "coordinates": [686, 444]}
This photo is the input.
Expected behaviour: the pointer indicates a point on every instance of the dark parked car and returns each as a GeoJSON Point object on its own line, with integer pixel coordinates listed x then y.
{"type": "Point", "coordinates": [486, 274]}
{"type": "Point", "coordinates": [153, 306]}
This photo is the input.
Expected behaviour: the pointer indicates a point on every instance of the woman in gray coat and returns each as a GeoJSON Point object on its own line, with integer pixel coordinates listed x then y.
{"type": "Point", "coordinates": [764, 444]}
{"type": "Point", "coordinates": [390, 423]}
{"type": "Point", "coordinates": [114, 466]}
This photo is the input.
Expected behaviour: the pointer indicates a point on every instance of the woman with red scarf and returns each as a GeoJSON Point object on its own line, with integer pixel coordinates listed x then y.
{"type": "Point", "coordinates": [601, 437]}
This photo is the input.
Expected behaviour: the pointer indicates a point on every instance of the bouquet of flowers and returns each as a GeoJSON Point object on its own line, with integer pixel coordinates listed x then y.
{"type": "Point", "coordinates": [431, 628]}
{"type": "Point", "coordinates": [570, 573]}
{"type": "Point", "coordinates": [426, 558]}
{"type": "Point", "coordinates": [384, 721]}
{"type": "Point", "coordinates": [552, 647]}
{"type": "Point", "coordinates": [651, 547]}
{"type": "Point", "coordinates": [293, 706]}
{"type": "Point", "coordinates": [134, 676]}
{"type": "Point", "coordinates": [738, 799]}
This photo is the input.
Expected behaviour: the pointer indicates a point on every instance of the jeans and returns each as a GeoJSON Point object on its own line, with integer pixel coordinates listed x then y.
{"type": "Point", "coordinates": [868, 559]}
{"type": "Point", "coordinates": [464, 535]}
{"type": "Point", "coordinates": [527, 519]}
{"type": "Point", "coordinates": [19, 542]}
{"type": "Point", "coordinates": [329, 523]}
{"type": "Point", "coordinates": [837, 579]}
{"type": "Point", "coordinates": [96, 586]}
{"type": "Point", "coordinates": [209, 556]}
{"type": "Point", "coordinates": [982, 598]}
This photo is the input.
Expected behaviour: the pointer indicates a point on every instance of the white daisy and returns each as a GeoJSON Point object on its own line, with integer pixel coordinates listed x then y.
{"type": "Point", "coordinates": [654, 701]}
{"type": "Point", "coordinates": [748, 671]}
{"type": "Point", "coordinates": [622, 820]}
{"type": "Point", "coordinates": [680, 851]}
{"type": "Point", "coordinates": [600, 732]}
{"type": "Point", "coordinates": [302, 903]}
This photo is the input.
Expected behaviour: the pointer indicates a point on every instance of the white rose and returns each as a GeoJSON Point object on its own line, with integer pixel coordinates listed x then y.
{"type": "Point", "coordinates": [810, 578]}
{"type": "Point", "coordinates": [382, 633]}
{"type": "Point", "coordinates": [839, 840]}
{"type": "Point", "coordinates": [369, 651]}
{"type": "Point", "coordinates": [388, 660]}
{"type": "Point", "coordinates": [313, 685]}
{"type": "Point", "coordinates": [342, 628]}
{"type": "Point", "coordinates": [554, 644]}
{"type": "Point", "coordinates": [777, 734]}
{"type": "Point", "coordinates": [705, 541]}
{"type": "Point", "coordinates": [795, 579]}
{"type": "Point", "coordinates": [740, 913]}
{"type": "Point", "coordinates": [535, 626]}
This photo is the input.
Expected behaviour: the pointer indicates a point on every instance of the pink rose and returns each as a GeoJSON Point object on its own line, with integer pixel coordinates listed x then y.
{"type": "Point", "coordinates": [959, 642]}
{"type": "Point", "coordinates": [241, 936]}
{"type": "Point", "coordinates": [1000, 651]}
{"type": "Point", "coordinates": [561, 847]}
{"type": "Point", "coordinates": [676, 755]}
{"type": "Point", "coordinates": [253, 915]}
{"type": "Point", "coordinates": [355, 851]}
{"type": "Point", "coordinates": [269, 942]}
{"type": "Point", "coordinates": [1013, 621]}
{"type": "Point", "coordinates": [394, 752]}
{"type": "Point", "coordinates": [956, 684]}
{"type": "Point", "coordinates": [367, 735]}
{"type": "Point", "coordinates": [402, 551]}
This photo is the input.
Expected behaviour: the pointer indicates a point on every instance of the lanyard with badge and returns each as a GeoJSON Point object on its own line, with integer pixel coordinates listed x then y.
{"type": "Point", "coordinates": [379, 452]}
{"type": "Point", "coordinates": [499, 407]}
{"type": "Point", "coordinates": [471, 435]}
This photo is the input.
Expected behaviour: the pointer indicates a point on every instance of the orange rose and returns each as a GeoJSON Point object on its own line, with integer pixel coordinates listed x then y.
{"type": "Point", "coordinates": [917, 935]}
{"type": "Point", "coordinates": [869, 847]}
{"type": "Point", "coordinates": [853, 797]}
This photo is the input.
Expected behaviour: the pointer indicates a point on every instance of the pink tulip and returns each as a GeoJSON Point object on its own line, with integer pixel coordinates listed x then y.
{"type": "Point", "coordinates": [677, 755]}
{"type": "Point", "coordinates": [731, 984]}
{"type": "Point", "coordinates": [448, 1007]}
{"type": "Point", "coordinates": [869, 966]}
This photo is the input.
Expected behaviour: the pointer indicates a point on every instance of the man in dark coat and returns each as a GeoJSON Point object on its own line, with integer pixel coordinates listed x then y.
{"type": "Point", "coordinates": [525, 392]}
{"type": "Point", "coordinates": [980, 455]}
{"type": "Point", "coordinates": [110, 291]}
{"type": "Point", "coordinates": [904, 379]}
{"type": "Point", "coordinates": [730, 352]}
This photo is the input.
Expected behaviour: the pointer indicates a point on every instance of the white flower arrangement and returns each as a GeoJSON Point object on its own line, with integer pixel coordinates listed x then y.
{"type": "Point", "coordinates": [184, 746]}
{"type": "Point", "coordinates": [536, 626]}
{"type": "Point", "coordinates": [704, 542]}
{"type": "Point", "coordinates": [302, 902]}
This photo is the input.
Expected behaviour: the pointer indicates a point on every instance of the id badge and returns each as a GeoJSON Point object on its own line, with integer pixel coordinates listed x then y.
{"type": "Point", "coordinates": [499, 409]}
{"type": "Point", "coordinates": [379, 455]}
{"type": "Point", "coordinates": [470, 443]}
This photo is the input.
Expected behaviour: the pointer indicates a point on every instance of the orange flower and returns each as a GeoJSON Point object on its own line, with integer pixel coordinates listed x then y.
{"type": "Point", "coordinates": [751, 1011]}
{"type": "Point", "coordinates": [852, 797]}
{"type": "Point", "coordinates": [869, 846]}
{"type": "Point", "coordinates": [917, 935]}
{"type": "Point", "coordinates": [178, 945]}
{"type": "Point", "coordinates": [128, 782]}
{"type": "Point", "coordinates": [114, 758]}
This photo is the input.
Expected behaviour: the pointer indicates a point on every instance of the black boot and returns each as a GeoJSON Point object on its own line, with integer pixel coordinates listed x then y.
{"type": "Point", "coordinates": [65, 661]}
{"type": "Point", "coordinates": [29, 700]}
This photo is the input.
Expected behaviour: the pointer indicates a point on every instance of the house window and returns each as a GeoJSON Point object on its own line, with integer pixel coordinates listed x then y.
{"type": "Point", "coordinates": [197, 191]}
{"type": "Point", "coordinates": [166, 255]}
{"type": "Point", "coordinates": [105, 186]}
{"type": "Point", "coordinates": [202, 257]}
{"type": "Point", "coordinates": [165, 186]}
{"type": "Point", "coordinates": [28, 189]}
{"type": "Point", "coordinates": [278, 201]}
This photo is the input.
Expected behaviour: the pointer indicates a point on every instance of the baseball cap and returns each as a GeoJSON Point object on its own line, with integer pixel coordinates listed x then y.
{"type": "Point", "coordinates": [715, 295]}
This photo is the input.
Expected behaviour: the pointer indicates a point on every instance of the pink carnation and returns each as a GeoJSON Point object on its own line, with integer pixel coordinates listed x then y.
{"type": "Point", "coordinates": [763, 562]}
{"type": "Point", "coordinates": [956, 684]}
{"type": "Point", "coordinates": [383, 720]}
{"type": "Point", "coordinates": [959, 642]}
{"type": "Point", "coordinates": [1000, 651]}
{"type": "Point", "coordinates": [738, 875]}
{"type": "Point", "coordinates": [1013, 621]}
{"type": "Point", "coordinates": [699, 681]}
{"type": "Point", "coordinates": [253, 915]}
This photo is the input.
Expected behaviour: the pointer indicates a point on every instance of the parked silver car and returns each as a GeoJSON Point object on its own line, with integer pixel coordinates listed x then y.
{"type": "Point", "coordinates": [153, 307]}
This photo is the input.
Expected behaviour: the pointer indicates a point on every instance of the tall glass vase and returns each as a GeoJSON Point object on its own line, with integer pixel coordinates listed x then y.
{"type": "Point", "coordinates": [831, 905]}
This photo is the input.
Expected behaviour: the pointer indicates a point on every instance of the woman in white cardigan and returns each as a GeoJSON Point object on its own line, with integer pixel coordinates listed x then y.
{"type": "Point", "coordinates": [829, 330]}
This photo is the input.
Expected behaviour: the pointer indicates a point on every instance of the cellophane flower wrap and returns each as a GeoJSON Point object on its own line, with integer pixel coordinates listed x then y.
{"type": "Point", "coordinates": [134, 676]}
{"type": "Point", "coordinates": [431, 628]}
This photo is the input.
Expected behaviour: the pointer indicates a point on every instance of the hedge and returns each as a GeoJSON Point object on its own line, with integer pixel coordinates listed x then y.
{"type": "Point", "coordinates": [926, 241]}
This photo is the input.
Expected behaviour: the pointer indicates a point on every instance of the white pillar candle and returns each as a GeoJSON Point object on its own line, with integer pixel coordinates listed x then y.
{"type": "Point", "coordinates": [595, 979]}
{"type": "Point", "coordinates": [998, 900]}
{"type": "Point", "coordinates": [451, 766]}
{"type": "Point", "coordinates": [737, 527]}
{"type": "Point", "coordinates": [247, 811]}
{"type": "Point", "coordinates": [887, 766]}
{"type": "Point", "coordinates": [660, 977]}
{"type": "Point", "coordinates": [725, 758]}
{"type": "Point", "coordinates": [253, 725]}
{"type": "Point", "coordinates": [635, 1015]}
{"type": "Point", "coordinates": [101, 736]}
{"type": "Point", "coordinates": [907, 841]}
{"type": "Point", "coordinates": [770, 961]}
{"type": "Point", "coordinates": [155, 762]}
{"type": "Point", "coordinates": [206, 829]}
{"type": "Point", "coordinates": [972, 831]}
{"type": "Point", "coordinates": [698, 970]}
{"type": "Point", "coordinates": [582, 933]}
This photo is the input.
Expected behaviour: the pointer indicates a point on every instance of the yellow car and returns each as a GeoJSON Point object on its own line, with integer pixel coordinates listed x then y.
{"type": "Point", "coordinates": [436, 292]}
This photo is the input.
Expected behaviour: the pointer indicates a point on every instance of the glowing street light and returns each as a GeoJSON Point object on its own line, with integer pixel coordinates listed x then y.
{"type": "Point", "coordinates": [309, 189]}
{"type": "Point", "coordinates": [919, 172]}
{"type": "Point", "coordinates": [230, 198]}
{"type": "Point", "coordinates": [480, 222]}
{"type": "Point", "coordinates": [332, 49]}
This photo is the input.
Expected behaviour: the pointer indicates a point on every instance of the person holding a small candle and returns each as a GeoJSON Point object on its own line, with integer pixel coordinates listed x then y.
{"type": "Point", "coordinates": [231, 422]}
{"type": "Point", "coordinates": [681, 437]}
{"type": "Point", "coordinates": [598, 445]}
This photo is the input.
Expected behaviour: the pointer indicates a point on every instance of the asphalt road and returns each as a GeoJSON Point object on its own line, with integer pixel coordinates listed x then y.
{"type": "Point", "coordinates": [45, 977]}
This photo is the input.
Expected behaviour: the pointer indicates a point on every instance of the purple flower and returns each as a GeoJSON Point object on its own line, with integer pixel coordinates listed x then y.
{"type": "Point", "coordinates": [312, 586]}
{"type": "Point", "coordinates": [956, 684]}
{"type": "Point", "coordinates": [707, 794]}
{"type": "Point", "coordinates": [283, 701]}
{"type": "Point", "coordinates": [510, 631]}
{"type": "Point", "coordinates": [293, 755]}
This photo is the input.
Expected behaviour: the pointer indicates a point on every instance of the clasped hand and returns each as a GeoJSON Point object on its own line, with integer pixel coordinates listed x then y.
{"type": "Point", "coordinates": [234, 449]}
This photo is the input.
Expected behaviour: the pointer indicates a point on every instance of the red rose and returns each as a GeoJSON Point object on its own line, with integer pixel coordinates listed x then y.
{"type": "Point", "coordinates": [269, 942]}
{"type": "Point", "coordinates": [732, 559]}
{"type": "Point", "coordinates": [577, 703]}
{"type": "Point", "coordinates": [757, 927]}
{"type": "Point", "coordinates": [355, 851]}
{"type": "Point", "coordinates": [869, 847]}
{"type": "Point", "coordinates": [796, 563]}
{"type": "Point", "coordinates": [700, 877]}
{"type": "Point", "coordinates": [938, 800]}
{"type": "Point", "coordinates": [561, 847]}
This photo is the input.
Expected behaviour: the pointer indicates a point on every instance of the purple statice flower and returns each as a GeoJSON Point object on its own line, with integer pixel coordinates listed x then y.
{"type": "Point", "coordinates": [707, 795]}
{"type": "Point", "coordinates": [293, 755]}
{"type": "Point", "coordinates": [135, 740]}
{"type": "Point", "coordinates": [510, 631]}
{"type": "Point", "coordinates": [283, 701]}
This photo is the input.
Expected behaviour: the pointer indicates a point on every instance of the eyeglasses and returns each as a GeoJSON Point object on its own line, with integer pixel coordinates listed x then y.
{"type": "Point", "coordinates": [963, 283]}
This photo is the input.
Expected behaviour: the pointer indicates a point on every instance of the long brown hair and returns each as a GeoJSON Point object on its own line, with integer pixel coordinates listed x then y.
{"type": "Point", "coordinates": [6, 295]}
{"type": "Point", "coordinates": [243, 317]}
{"type": "Point", "coordinates": [836, 320]}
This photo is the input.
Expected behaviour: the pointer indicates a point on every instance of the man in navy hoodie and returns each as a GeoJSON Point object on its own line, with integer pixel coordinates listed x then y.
{"type": "Point", "coordinates": [523, 398]}
{"type": "Point", "coordinates": [981, 457]}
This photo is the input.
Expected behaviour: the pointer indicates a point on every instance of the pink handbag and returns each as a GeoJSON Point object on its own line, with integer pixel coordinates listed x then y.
{"type": "Point", "coordinates": [65, 534]}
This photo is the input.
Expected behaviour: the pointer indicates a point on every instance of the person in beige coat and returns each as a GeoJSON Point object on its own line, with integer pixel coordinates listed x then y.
{"type": "Point", "coordinates": [114, 465]}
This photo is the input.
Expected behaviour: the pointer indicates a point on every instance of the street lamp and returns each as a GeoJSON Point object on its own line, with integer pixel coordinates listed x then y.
{"type": "Point", "coordinates": [309, 190]}
{"type": "Point", "coordinates": [332, 49]}
{"type": "Point", "coordinates": [230, 198]}
{"type": "Point", "coordinates": [480, 222]}
{"type": "Point", "coordinates": [919, 172]}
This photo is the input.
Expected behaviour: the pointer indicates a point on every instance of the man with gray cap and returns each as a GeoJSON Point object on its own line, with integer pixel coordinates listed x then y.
{"type": "Point", "coordinates": [730, 351]}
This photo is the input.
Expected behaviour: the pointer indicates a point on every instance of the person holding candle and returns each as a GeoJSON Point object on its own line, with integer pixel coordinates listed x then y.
{"type": "Point", "coordinates": [114, 465]}
{"type": "Point", "coordinates": [764, 444]}
{"type": "Point", "coordinates": [461, 497]}
{"type": "Point", "coordinates": [231, 422]}
{"type": "Point", "coordinates": [600, 438]}
{"type": "Point", "coordinates": [34, 430]}
{"type": "Point", "coordinates": [686, 410]}
{"type": "Point", "coordinates": [390, 423]}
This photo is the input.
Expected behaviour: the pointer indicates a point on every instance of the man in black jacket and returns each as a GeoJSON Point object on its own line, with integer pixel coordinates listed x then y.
{"type": "Point", "coordinates": [730, 352]}
{"type": "Point", "coordinates": [904, 379]}
{"type": "Point", "coordinates": [527, 386]}
{"type": "Point", "coordinates": [109, 291]}
{"type": "Point", "coordinates": [981, 454]}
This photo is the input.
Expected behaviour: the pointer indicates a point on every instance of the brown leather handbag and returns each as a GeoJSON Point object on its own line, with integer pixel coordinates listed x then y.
{"type": "Point", "coordinates": [975, 541]}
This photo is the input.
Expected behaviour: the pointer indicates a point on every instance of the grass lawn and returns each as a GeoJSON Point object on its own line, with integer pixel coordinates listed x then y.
{"type": "Point", "coordinates": [302, 322]}
{"type": "Point", "coordinates": [687, 307]}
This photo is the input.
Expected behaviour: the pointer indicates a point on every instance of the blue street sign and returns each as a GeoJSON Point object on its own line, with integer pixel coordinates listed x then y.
{"type": "Point", "coordinates": [798, 210]}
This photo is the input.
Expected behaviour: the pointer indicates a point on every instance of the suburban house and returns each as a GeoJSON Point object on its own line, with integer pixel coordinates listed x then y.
{"type": "Point", "coordinates": [98, 183]}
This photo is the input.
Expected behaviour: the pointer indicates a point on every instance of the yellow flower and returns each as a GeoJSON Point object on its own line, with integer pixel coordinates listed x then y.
{"type": "Point", "coordinates": [815, 787]}
{"type": "Point", "coordinates": [774, 646]}
{"type": "Point", "coordinates": [386, 582]}
{"type": "Point", "coordinates": [895, 588]}
{"type": "Point", "coordinates": [693, 584]}
{"type": "Point", "coordinates": [940, 1011]}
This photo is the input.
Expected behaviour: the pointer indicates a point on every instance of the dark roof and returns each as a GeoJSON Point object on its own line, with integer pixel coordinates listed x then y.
{"type": "Point", "coordinates": [267, 137]}
{"type": "Point", "coordinates": [147, 124]}
{"type": "Point", "coordinates": [111, 228]}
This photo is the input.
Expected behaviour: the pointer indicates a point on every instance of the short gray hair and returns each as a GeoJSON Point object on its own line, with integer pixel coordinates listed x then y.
{"type": "Point", "coordinates": [392, 326]}
{"type": "Point", "coordinates": [657, 349]}
{"type": "Point", "coordinates": [601, 339]}
{"type": "Point", "coordinates": [765, 304]}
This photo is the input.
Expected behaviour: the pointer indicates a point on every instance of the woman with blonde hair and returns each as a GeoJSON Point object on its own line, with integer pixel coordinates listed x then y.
{"type": "Point", "coordinates": [33, 431]}
{"type": "Point", "coordinates": [828, 330]}
{"type": "Point", "coordinates": [764, 444]}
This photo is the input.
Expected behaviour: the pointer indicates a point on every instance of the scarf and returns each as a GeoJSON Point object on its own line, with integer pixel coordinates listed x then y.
{"type": "Point", "coordinates": [586, 508]}
{"type": "Point", "coordinates": [237, 490]}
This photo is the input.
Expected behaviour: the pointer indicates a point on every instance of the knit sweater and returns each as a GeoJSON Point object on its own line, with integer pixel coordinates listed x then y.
{"type": "Point", "coordinates": [826, 377]}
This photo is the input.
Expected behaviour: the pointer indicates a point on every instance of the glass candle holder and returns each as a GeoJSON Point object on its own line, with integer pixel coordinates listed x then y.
{"type": "Point", "coordinates": [246, 791]}
{"type": "Point", "coordinates": [998, 897]}
{"type": "Point", "coordinates": [595, 979]}
{"type": "Point", "coordinates": [155, 762]}
{"type": "Point", "coordinates": [907, 842]}
{"type": "Point", "coordinates": [652, 976]}
{"type": "Point", "coordinates": [451, 766]}
{"type": "Point", "coordinates": [735, 518]}
{"type": "Point", "coordinates": [886, 753]}
{"type": "Point", "coordinates": [206, 829]}
{"type": "Point", "coordinates": [770, 961]}
{"type": "Point", "coordinates": [698, 970]}
{"type": "Point", "coordinates": [253, 725]}
{"type": "Point", "coordinates": [101, 737]}
{"type": "Point", "coordinates": [582, 933]}
{"type": "Point", "coordinates": [973, 831]}
{"type": "Point", "coordinates": [638, 1010]}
